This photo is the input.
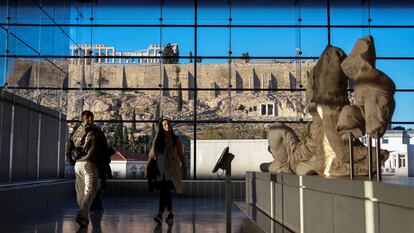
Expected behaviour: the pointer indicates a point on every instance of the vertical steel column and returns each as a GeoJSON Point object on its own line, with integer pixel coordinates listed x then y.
{"type": "Point", "coordinates": [11, 141]}
{"type": "Point", "coordinates": [195, 91]}
{"type": "Point", "coordinates": [229, 61]}
{"type": "Point", "coordinates": [39, 134]}
{"type": "Point", "coordinates": [6, 59]}
{"type": "Point", "coordinates": [58, 145]}
{"type": "Point", "coordinates": [369, 17]}
{"type": "Point", "coordinates": [161, 62]}
{"type": "Point", "coordinates": [377, 157]}
{"type": "Point", "coordinates": [369, 156]}
{"type": "Point", "coordinates": [229, 199]}
{"type": "Point", "coordinates": [1, 119]}
{"type": "Point", "coordinates": [4, 75]}
{"type": "Point", "coordinates": [351, 157]}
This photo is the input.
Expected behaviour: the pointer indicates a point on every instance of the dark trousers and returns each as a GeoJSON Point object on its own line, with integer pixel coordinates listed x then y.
{"type": "Point", "coordinates": [165, 195]}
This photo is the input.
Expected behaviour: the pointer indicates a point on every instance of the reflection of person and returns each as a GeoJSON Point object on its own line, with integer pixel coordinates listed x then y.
{"type": "Point", "coordinates": [85, 147]}
{"type": "Point", "coordinates": [158, 228]}
{"type": "Point", "coordinates": [167, 151]}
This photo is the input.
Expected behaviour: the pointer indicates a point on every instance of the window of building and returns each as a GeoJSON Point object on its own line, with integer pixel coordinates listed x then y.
{"type": "Point", "coordinates": [364, 140]}
{"type": "Point", "coordinates": [401, 161]}
{"type": "Point", "coordinates": [384, 140]}
{"type": "Point", "coordinates": [267, 109]}
{"type": "Point", "coordinates": [270, 108]}
{"type": "Point", "coordinates": [263, 110]}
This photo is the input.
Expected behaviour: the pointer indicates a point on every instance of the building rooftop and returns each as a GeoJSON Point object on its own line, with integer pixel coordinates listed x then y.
{"type": "Point", "coordinates": [128, 156]}
{"type": "Point", "coordinates": [394, 132]}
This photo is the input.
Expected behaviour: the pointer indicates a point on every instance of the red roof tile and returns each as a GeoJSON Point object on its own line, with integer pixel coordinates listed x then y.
{"type": "Point", "coordinates": [117, 157]}
{"type": "Point", "coordinates": [128, 156]}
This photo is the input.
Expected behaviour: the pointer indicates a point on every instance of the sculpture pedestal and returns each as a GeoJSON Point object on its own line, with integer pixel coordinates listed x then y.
{"type": "Point", "coordinates": [325, 205]}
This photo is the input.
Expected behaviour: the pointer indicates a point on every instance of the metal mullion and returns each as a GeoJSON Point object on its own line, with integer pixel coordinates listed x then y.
{"type": "Point", "coordinates": [194, 57]}
{"type": "Point", "coordinates": [6, 58]}
{"type": "Point", "coordinates": [196, 90]}
{"type": "Point", "coordinates": [298, 52]}
{"type": "Point", "coordinates": [161, 83]}
{"type": "Point", "coordinates": [230, 60]}
{"type": "Point", "coordinates": [223, 121]}
{"type": "Point", "coordinates": [328, 12]}
{"type": "Point", "coordinates": [173, 89]}
{"type": "Point", "coordinates": [208, 25]}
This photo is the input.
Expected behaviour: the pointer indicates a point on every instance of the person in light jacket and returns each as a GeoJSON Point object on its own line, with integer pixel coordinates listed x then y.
{"type": "Point", "coordinates": [167, 150]}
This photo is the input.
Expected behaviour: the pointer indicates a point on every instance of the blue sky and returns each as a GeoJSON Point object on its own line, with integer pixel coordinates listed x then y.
{"type": "Point", "coordinates": [216, 41]}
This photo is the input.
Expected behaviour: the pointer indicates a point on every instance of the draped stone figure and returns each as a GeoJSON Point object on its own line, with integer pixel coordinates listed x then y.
{"type": "Point", "coordinates": [324, 149]}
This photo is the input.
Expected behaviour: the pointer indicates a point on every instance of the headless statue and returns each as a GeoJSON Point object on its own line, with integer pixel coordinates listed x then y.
{"type": "Point", "coordinates": [324, 149]}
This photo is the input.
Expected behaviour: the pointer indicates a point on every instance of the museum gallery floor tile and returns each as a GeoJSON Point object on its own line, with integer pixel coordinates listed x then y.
{"type": "Point", "coordinates": [133, 215]}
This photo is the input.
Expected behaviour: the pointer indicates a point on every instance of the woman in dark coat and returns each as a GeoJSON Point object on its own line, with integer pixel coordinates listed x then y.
{"type": "Point", "coordinates": [167, 151]}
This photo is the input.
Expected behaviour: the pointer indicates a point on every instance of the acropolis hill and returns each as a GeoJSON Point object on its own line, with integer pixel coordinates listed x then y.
{"type": "Point", "coordinates": [244, 74]}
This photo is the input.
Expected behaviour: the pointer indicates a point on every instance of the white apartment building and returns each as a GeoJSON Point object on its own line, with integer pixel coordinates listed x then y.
{"type": "Point", "coordinates": [400, 144]}
{"type": "Point", "coordinates": [128, 165]}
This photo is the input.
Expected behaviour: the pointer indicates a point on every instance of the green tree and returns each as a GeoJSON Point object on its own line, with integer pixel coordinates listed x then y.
{"type": "Point", "coordinates": [177, 74]}
{"type": "Point", "coordinates": [125, 137]}
{"type": "Point", "coordinates": [157, 112]}
{"type": "Point", "coordinates": [191, 59]}
{"type": "Point", "coordinates": [101, 81]}
{"type": "Point", "coordinates": [172, 57]}
{"type": "Point", "coordinates": [134, 124]}
{"type": "Point", "coordinates": [246, 56]}
{"type": "Point", "coordinates": [180, 98]}
{"type": "Point", "coordinates": [118, 137]}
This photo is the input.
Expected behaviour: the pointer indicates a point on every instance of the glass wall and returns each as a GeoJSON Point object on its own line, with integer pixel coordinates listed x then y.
{"type": "Point", "coordinates": [220, 70]}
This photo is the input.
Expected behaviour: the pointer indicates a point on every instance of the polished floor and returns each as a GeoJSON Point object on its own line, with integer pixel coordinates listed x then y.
{"type": "Point", "coordinates": [133, 215]}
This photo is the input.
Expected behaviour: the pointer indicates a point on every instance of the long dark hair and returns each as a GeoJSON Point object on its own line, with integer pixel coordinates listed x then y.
{"type": "Point", "coordinates": [160, 138]}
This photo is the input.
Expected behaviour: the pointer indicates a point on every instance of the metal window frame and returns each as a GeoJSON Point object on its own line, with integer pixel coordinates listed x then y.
{"type": "Point", "coordinates": [194, 121]}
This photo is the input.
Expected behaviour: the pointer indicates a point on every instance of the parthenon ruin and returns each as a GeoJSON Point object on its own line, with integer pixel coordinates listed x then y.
{"type": "Point", "coordinates": [149, 56]}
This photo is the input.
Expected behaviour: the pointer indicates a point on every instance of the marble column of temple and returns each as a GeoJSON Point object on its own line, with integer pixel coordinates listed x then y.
{"type": "Point", "coordinates": [113, 54]}
{"type": "Point", "coordinates": [156, 54]}
{"type": "Point", "coordinates": [72, 53]}
{"type": "Point", "coordinates": [86, 53]}
{"type": "Point", "coordinates": [80, 54]}
{"type": "Point", "coordinates": [99, 54]}
{"type": "Point", "coordinates": [76, 54]}
{"type": "Point", "coordinates": [119, 59]}
{"type": "Point", "coordinates": [105, 60]}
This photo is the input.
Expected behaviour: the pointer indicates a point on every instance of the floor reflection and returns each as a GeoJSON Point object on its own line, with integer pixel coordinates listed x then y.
{"type": "Point", "coordinates": [132, 215]}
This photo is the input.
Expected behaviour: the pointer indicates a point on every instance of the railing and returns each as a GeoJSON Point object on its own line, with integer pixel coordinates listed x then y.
{"type": "Point", "coordinates": [369, 158]}
{"type": "Point", "coordinates": [32, 140]}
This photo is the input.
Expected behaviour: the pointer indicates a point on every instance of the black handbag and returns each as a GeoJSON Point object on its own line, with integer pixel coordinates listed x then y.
{"type": "Point", "coordinates": [78, 152]}
{"type": "Point", "coordinates": [152, 173]}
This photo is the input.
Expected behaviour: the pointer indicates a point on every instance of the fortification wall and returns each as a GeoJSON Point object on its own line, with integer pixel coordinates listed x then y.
{"type": "Point", "coordinates": [243, 75]}
{"type": "Point", "coordinates": [32, 73]}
